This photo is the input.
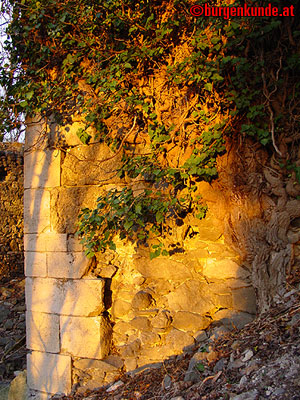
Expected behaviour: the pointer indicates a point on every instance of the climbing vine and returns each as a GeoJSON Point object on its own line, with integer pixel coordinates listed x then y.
{"type": "Point", "coordinates": [164, 88]}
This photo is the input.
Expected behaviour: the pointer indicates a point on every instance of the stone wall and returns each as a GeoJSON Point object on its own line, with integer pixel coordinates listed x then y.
{"type": "Point", "coordinates": [87, 320]}
{"type": "Point", "coordinates": [11, 210]}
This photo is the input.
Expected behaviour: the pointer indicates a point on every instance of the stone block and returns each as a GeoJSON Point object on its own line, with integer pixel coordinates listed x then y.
{"type": "Point", "coordinates": [223, 269]}
{"type": "Point", "coordinates": [36, 210]}
{"type": "Point", "coordinates": [162, 268]}
{"type": "Point", "coordinates": [177, 340]}
{"type": "Point", "coordinates": [18, 389]}
{"type": "Point", "coordinates": [85, 337]}
{"type": "Point", "coordinates": [97, 158]}
{"type": "Point", "coordinates": [92, 364]}
{"type": "Point", "coordinates": [193, 296]}
{"type": "Point", "coordinates": [142, 300]}
{"type": "Point", "coordinates": [224, 301]}
{"type": "Point", "coordinates": [35, 264]}
{"type": "Point", "coordinates": [120, 308]}
{"type": "Point", "coordinates": [244, 299]}
{"type": "Point", "coordinates": [45, 242]}
{"type": "Point", "coordinates": [141, 323]}
{"type": "Point", "coordinates": [73, 244]}
{"type": "Point", "coordinates": [66, 204]}
{"type": "Point", "coordinates": [78, 298]}
{"type": "Point", "coordinates": [187, 321]}
{"type": "Point", "coordinates": [67, 265]}
{"type": "Point", "coordinates": [36, 137]}
{"type": "Point", "coordinates": [209, 228]}
{"type": "Point", "coordinates": [50, 373]}
{"type": "Point", "coordinates": [42, 332]}
{"type": "Point", "coordinates": [42, 169]}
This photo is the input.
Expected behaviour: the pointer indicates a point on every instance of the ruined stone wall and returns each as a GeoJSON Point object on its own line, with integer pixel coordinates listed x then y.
{"type": "Point", "coordinates": [11, 210]}
{"type": "Point", "coordinates": [89, 319]}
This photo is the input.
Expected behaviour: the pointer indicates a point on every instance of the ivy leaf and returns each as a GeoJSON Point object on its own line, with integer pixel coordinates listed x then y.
{"type": "Point", "coordinates": [83, 136]}
{"type": "Point", "coordinates": [128, 225]}
{"type": "Point", "coordinates": [159, 217]}
{"type": "Point", "coordinates": [208, 86]}
{"type": "Point", "coordinates": [29, 95]}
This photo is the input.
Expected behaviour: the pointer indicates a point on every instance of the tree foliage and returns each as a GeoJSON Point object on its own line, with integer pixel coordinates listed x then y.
{"type": "Point", "coordinates": [219, 79]}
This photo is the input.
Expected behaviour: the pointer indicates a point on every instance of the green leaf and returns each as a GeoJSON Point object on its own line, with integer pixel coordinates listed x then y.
{"type": "Point", "coordinates": [200, 367]}
{"type": "Point", "coordinates": [208, 86]}
{"type": "Point", "coordinates": [83, 136]}
{"type": "Point", "coordinates": [159, 217]}
{"type": "Point", "coordinates": [112, 246]}
{"type": "Point", "coordinates": [128, 225]}
{"type": "Point", "coordinates": [29, 95]}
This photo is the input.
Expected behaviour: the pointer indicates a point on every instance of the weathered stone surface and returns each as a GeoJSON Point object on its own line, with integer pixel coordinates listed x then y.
{"type": "Point", "coordinates": [223, 301]}
{"type": "Point", "coordinates": [99, 365]}
{"type": "Point", "coordinates": [77, 298]}
{"type": "Point", "coordinates": [67, 265]}
{"type": "Point", "coordinates": [114, 360]}
{"type": "Point", "coordinates": [219, 287]}
{"type": "Point", "coordinates": [223, 269]}
{"type": "Point", "coordinates": [244, 299]}
{"type": "Point", "coordinates": [233, 319]}
{"type": "Point", "coordinates": [192, 296]}
{"type": "Point", "coordinates": [92, 384]}
{"type": "Point", "coordinates": [36, 210]}
{"type": "Point", "coordinates": [178, 340]}
{"type": "Point", "coordinates": [120, 308]}
{"type": "Point", "coordinates": [209, 228]}
{"type": "Point", "coordinates": [50, 373]}
{"type": "Point", "coordinates": [187, 321]}
{"type": "Point", "coordinates": [142, 300]}
{"type": "Point", "coordinates": [107, 271]}
{"type": "Point", "coordinates": [149, 338]}
{"type": "Point", "coordinates": [73, 244]}
{"type": "Point", "coordinates": [18, 388]}
{"type": "Point", "coordinates": [98, 159]}
{"type": "Point", "coordinates": [36, 137]}
{"type": "Point", "coordinates": [45, 242]}
{"type": "Point", "coordinates": [123, 328]}
{"type": "Point", "coordinates": [141, 323]}
{"type": "Point", "coordinates": [35, 264]}
{"type": "Point", "coordinates": [162, 320]}
{"type": "Point", "coordinates": [156, 353]}
{"type": "Point", "coordinates": [66, 203]}
{"type": "Point", "coordinates": [220, 250]}
{"type": "Point", "coordinates": [42, 169]}
{"type": "Point", "coordinates": [130, 363]}
{"type": "Point", "coordinates": [42, 332]}
{"type": "Point", "coordinates": [130, 349]}
{"type": "Point", "coordinates": [162, 268]}
{"type": "Point", "coordinates": [85, 337]}
{"type": "Point", "coordinates": [200, 336]}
